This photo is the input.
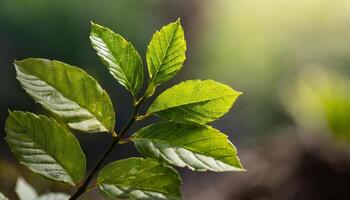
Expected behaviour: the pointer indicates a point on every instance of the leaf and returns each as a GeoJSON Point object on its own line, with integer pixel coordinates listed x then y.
{"type": "Point", "coordinates": [166, 53]}
{"type": "Point", "coordinates": [2, 197]}
{"type": "Point", "coordinates": [25, 191]}
{"type": "Point", "coordinates": [68, 92]}
{"type": "Point", "coordinates": [141, 179]}
{"type": "Point", "coordinates": [121, 58]}
{"type": "Point", "coordinates": [45, 147]}
{"type": "Point", "coordinates": [198, 147]}
{"type": "Point", "coordinates": [194, 101]}
{"type": "Point", "coordinates": [54, 196]}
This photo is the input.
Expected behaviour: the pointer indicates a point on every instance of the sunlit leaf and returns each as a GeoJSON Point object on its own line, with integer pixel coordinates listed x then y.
{"type": "Point", "coordinates": [166, 53]}
{"type": "Point", "coordinates": [198, 147]}
{"type": "Point", "coordinates": [121, 58]}
{"type": "Point", "coordinates": [141, 179]}
{"type": "Point", "coordinates": [195, 101]}
{"type": "Point", "coordinates": [68, 92]}
{"type": "Point", "coordinates": [45, 147]}
{"type": "Point", "coordinates": [25, 191]}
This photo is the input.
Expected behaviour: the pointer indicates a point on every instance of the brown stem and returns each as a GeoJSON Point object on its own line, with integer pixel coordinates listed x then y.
{"type": "Point", "coordinates": [84, 186]}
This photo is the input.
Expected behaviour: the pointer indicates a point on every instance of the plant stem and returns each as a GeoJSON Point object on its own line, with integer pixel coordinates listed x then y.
{"type": "Point", "coordinates": [84, 186]}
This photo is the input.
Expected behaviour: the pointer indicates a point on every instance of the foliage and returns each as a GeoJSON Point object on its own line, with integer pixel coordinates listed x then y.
{"type": "Point", "coordinates": [76, 101]}
{"type": "Point", "coordinates": [320, 102]}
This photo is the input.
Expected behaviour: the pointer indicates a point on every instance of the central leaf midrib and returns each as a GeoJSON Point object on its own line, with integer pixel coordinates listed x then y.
{"type": "Point", "coordinates": [194, 102]}
{"type": "Point", "coordinates": [184, 147]}
{"type": "Point", "coordinates": [166, 50]}
{"type": "Point", "coordinates": [116, 36]}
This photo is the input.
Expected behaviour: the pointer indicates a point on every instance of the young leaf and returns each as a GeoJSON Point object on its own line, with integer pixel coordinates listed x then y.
{"type": "Point", "coordinates": [121, 58]}
{"type": "Point", "coordinates": [25, 191]}
{"type": "Point", "coordinates": [166, 53]}
{"type": "Point", "coordinates": [2, 197]}
{"type": "Point", "coordinates": [68, 92]}
{"type": "Point", "coordinates": [194, 101]}
{"type": "Point", "coordinates": [139, 179]}
{"type": "Point", "coordinates": [45, 147]}
{"type": "Point", "coordinates": [199, 147]}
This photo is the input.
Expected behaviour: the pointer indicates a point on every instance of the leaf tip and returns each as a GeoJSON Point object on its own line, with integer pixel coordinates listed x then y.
{"type": "Point", "coordinates": [9, 111]}
{"type": "Point", "coordinates": [14, 114]}
{"type": "Point", "coordinates": [94, 27]}
{"type": "Point", "coordinates": [178, 23]}
{"type": "Point", "coordinates": [93, 24]}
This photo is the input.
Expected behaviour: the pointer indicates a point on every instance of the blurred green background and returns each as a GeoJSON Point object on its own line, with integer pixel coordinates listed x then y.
{"type": "Point", "coordinates": [291, 59]}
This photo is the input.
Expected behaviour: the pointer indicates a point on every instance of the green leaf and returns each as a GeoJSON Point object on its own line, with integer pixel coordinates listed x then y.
{"type": "Point", "coordinates": [194, 101]}
{"type": "Point", "coordinates": [141, 179]}
{"type": "Point", "coordinates": [45, 147]}
{"type": "Point", "coordinates": [54, 196]}
{"type": "Point", "coordinates": [166, 53]}
{"type": "Point", "coordinates": [2, 197]}
{"type": "Point", "coordinates": [25, 191]}
{"type": "Point", "coordinates": [121, 58]}
{"type": "Point", "coordinates": [198, 147]}
{"type": "Point", "coordinates": [68, 92]}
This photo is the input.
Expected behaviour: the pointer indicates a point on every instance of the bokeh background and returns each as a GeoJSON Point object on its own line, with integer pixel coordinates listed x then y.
{"type": "Point", "coordinates": [291, 58]}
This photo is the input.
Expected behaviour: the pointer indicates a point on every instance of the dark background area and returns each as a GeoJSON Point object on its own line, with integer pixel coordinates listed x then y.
{"type": "Point", "coordinates": [290, 59]}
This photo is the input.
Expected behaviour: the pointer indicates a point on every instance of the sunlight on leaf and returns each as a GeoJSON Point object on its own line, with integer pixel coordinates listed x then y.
{"type": "Point", "coordinates": [45, 147]}
{"type": "Point", "coordinates": [141, 179]}
{"type": "Point", "coordinates": [121, 58]}
{"type": "Point", "coordinates": [166, 53]}
{"type": "Point", "coordinates": [68, 92]}
{"type": "Point", "coordinates": [195, 146]}
{"type": "Point", "coordinates": [194, 101]}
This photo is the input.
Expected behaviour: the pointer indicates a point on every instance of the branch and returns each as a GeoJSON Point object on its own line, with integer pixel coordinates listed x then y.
{"type": "Point", "coordinates": [83, 188]}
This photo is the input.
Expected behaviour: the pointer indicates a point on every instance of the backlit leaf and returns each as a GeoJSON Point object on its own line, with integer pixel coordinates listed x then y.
{"type": "Point", "coordinates": [121, 58]}
{"type": "Point", "coordinates": [45, 147]}
{"type": "Point", "coordinates": [194, 101]}
{"type": "Point", "coordinates": [198, 147]}
{"type": "Point", "coordinates": [166, 53]}
{"type": "Point", "coordinates": [141, 179]}
{"type": "Point", "coordinates": [68, 92]}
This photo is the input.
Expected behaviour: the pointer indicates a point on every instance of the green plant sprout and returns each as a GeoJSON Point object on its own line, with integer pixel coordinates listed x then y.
{"type": "Point", "coordinates": [77, 102]}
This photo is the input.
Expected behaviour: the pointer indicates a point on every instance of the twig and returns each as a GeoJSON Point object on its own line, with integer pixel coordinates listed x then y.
{"type": "Point", "coordinates": [84, 186]}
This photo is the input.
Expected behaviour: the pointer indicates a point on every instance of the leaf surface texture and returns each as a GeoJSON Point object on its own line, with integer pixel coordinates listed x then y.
{"type": "Point", "coordinates": [68, 92]}
{"type": "Point", "coordinates": [194, 101]}
{"type": "Point", "coordinates": [166, 53]}
{"type": "Point", "coordinates": [45, 147]}
{"type": "Point", "coordinates": [120, 57]}
{"type": "Point", "coordinates": [198, 147]}
{"type": "Point", "coordinates": [141, 179]}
